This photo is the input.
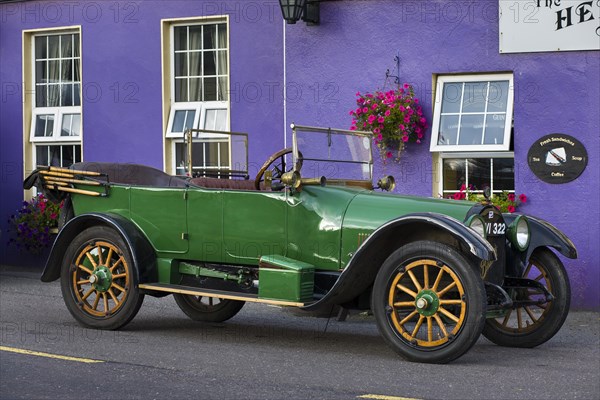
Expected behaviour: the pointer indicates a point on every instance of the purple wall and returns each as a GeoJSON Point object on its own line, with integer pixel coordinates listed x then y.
{"type": "Point", "coordinates": [326, 65]}
{"type": "Point", "coordinates": [554, 93]}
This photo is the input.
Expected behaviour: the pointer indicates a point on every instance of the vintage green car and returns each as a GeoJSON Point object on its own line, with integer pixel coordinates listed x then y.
{"type": "Point", "coordinates": [312, 233]}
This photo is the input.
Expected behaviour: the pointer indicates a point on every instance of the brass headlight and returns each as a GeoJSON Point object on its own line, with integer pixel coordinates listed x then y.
{"type": "Point", "coordinates": [476, 223]}
{"type": "Point", "coordinates": [518, 233]}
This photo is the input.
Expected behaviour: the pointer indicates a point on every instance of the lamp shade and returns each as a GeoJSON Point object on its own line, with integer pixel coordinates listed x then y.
{"type": "Point", "coordinates": [292, 10]}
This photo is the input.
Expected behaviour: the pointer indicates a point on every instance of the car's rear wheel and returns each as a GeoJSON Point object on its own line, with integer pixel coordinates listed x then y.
{"type": "Point", "coordinates": [98, 281]}
{"type": "Point", "coordinates": [429, 302]}
{"type": "Point", "coordinates": [532, 325]}
{"type": "Point", "coordinates": [207, 309]}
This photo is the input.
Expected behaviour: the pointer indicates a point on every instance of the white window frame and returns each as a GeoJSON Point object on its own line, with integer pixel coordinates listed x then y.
{"type": "Point", "coordinates": [443, 79]}
{"type": "Point", "coordinates": [56, 139]}
{"type": "Point", "coordinates": [200, 108]}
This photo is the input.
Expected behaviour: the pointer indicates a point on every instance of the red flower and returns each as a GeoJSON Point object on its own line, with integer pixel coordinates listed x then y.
{"type": "Point", "coordinates": [523, 198]}
{"type": "Point", "coordinates": [511, 209]}
{"type": "Point", "coordinates": [511, 197]}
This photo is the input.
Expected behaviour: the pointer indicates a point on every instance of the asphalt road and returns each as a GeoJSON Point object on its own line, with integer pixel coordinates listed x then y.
{"type": "Point", "coordinates": [263, 353]}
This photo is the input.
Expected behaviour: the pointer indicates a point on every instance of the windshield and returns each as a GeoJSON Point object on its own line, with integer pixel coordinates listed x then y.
{"type": "Point", "coordinates": [333, 153]}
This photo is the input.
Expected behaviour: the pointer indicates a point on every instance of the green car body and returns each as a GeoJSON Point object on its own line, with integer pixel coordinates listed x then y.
{"type": "Point", "coordinates": [307, 244]}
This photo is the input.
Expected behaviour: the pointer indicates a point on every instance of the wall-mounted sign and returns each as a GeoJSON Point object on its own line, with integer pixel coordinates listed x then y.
{"type": "Point", "coordinates": [549, 25]}
{"type": "Point", "coordinates": [557, 158]}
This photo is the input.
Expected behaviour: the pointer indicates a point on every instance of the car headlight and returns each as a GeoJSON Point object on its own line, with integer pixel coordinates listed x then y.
{"type": "Point", "coordinates": [476, 223]}
{"type": "Point", "coordinates": [518, 233]}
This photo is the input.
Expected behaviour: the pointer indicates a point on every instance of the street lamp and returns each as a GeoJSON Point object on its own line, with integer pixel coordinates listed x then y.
{"type": "Point", "coordinates": [294, 10]}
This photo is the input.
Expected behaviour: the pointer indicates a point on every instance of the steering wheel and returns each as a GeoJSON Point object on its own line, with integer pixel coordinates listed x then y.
{"type": "Point", "coordinates": [276, 163]}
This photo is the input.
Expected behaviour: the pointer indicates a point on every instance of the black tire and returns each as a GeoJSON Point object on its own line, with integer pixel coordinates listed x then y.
{"type": "Point", "coordinates": [207, 309]}
{"type": "Point", "coordinates": [114, 298]}
{"type": "Point", "coordinates": [533, 325]}
{"type": "Point", "coordinates": [412, 297]}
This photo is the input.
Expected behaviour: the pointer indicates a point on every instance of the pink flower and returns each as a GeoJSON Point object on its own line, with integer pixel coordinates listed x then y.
{"type": "Point", "coordinates": [374, 106]}
{"type": "Point", "coordinates": [389, 154]}
{"type": "Point", "coordinates": [418, 130]}
{"type": "Point", "coordinates": [376, 131]}
{"type": "Point", "coordinates": [418, 141]}
{"type": "Point", "coordinates": [365, 109]}
{"type": "Point", "coordinates": [360, 101]}
{"type": "Point", "coordinates": [369, 95]}
{"type": "Point", "coordinates": [463, 187]}
{"type": "Point", "coordinates": [353, 128]}
{"type": "Point", "coordinates": [511, 197]}
{"type": "Point", "coordinates": [416, 101]}
{"type": "Point", "coordinates": [406, 85]}
{"type": "Point", "coordinates": [511, 209]}
{"type": "Point", "coordinates": [420, 135]}
{"type": "Point", "coordinates": [523, 198]}
{"type": "Point", "coordinates": [423, 120]}
{"type": "Point", "coordinates": [379, 137]}
{"type": "Point", "coordinates": [406, 120]}
{"type": "Point", "coordinates": [402, 108]}
{"type": "Point", "coordinates": [381, 120]}
{"type": "Point", "coordinates": [402, 127]}
{"type": "Point", "coordinates": [405, 138]}
{"type": "Point", "coordinates": [387, 113]}
{"type": "Point", "coordinates": [357, 94]}
{"type": "Point", "coordinates": [371, 119]}
{"type": "Point", "coordinates": [53, 216]}
{"type": "Point", "coordinates": [351, 112]}
{"type": "Point", "coordinates": [358, 111]}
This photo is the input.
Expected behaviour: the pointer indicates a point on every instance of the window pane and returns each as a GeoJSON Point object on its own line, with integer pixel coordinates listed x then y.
{"type": "Point", "coordinates": [66, 45]}
{"type": "Point", "coordinates": [66, 95]}
{"type": "Point", "coordinates": [40, 72]}
{"type": "Point", "coordinates": [53, 46]}
{"type": "Point", "coordinates": [210, 89]}
{"type": "Point", "coordinates": [53, 71]}
{"type": "Point", "coordinates": [221, 122]}
{"type": "Point", "coordinates": [210, 32]}
{"type": "Point", "coordinates": [76, 45]}
{"type": "Point", "coordinates": [494, 129]}
{"type": "Point", "coordinates": [181, 92]}
{"type": "Point", "coordinates": [41, 94]}
{"type": "Point", "coordinates": [222, 44]}
{"type": "Point", "coordinates": [41, 155]}
{"type": "Point", "coordinates": [66, 73]}
{"type": "Point", "coordinates": [224, 150]}
{"type": "Point", "coordinates": [180, 37]}
{"type": "Point", "coordinates": [451, 98]}
{"type": "Point", "coordinates": [498, 96]}
{"type": "Point", "coordinates": [70, 125]}
{"type": "Point", "coordinates": [53, 99]}
{"type": "Point", "coordinates": [212, 154]}
{"type": "Point", "coordinates": [504, 174]}
{"type": "Point", "coordinates": [479, 173]}
{"type": "Point", "coordinates": [195, 89]}
{"type": "Point", "coordinates": [210, 119]}
{"type": "Point", "coordinates": [448, 129]}
{"type": "Point", "coordinates": [210, 67]}
{"type": "Point", "coordinates": [41, 50]}
{"type": "Point", "coordinates": [474, 97]}
{"type": "Point", "coordinates": [195, 37]}
{"type": "Point", "coordinates": [44, 125]}
{"type": "Point", "coordinates": [454, 174]}
{"type": "Point", "coordinates": [195, 63]}
{"type": "Point", "coordinates": [471, 129]}
{"type": "Point", "coordinates": [181, 64]}
{"type": "Point", "coordinates": [222, 61]}
{"type": "Point", "coordinates": [223, 89]}
{"type": "Point", "coordinates": [76, 95]}
{"type": "Point", "coordinates": [183, 119]}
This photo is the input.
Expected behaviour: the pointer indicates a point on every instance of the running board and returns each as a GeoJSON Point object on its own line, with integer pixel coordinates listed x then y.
{"type": "Point", "coordinates": [251, 298]}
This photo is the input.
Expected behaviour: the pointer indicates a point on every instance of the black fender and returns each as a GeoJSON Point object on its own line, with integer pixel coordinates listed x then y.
{"type": "Point", "coordinates": [142, 252]}
{"type": "Point", "coordinates": [544, 234]}
{"type": "Point", "coordinates": [362, 268]}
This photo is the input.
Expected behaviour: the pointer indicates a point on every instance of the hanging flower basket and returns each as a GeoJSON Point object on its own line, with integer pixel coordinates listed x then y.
{"type": "Point", "coordinates": [395, 117]}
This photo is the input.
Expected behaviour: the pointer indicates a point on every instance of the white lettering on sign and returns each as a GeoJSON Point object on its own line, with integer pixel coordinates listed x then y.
{"type": "Point", "coordinates": [549, 25]}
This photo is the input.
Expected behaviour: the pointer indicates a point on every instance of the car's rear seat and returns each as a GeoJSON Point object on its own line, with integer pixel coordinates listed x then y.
{"type": "Point", "coordinates": [215, 183]}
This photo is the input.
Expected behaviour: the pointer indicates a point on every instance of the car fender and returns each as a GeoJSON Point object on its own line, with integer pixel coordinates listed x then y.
{"type": "Point", "coordinates": [544, 234]}
{"type": "Point", "coordinates": [362, 268]}
{"type": "Point", "coordinates": [142, 252]}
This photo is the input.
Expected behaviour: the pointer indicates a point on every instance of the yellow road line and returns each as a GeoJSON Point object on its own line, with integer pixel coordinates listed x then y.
{"type": "Point", "coordinates": [48, 355]}
{"type": "Point", "coordinates": [383, 397]}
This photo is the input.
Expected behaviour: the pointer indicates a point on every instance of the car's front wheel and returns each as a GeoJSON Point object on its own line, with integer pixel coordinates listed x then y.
{"type": "Point", "coordinates": [534, 324]}
{"type": "Point", "coordinates": [207, 309]}
{"type": "Point", "coordinates": [98, 281]}
{"type": "Point", "coordinates": [429, 302]}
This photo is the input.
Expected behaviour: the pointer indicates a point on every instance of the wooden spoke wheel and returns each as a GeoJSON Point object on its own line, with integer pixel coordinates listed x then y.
{"type": "Point", "coordinates": [98, 281]}
{"type": "Point", "coordinates": [207, 309]}
{"type": "Point", "coordinates": [532, 325]}
{"type": "Point", "coordinates": [429, 302]}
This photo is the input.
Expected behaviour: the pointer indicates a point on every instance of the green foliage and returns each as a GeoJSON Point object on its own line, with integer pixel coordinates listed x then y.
{"type": "Point", "coordinates": [505, 201]}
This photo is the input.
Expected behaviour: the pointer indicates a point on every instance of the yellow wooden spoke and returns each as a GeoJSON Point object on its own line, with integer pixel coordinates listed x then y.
{"type": "Point", "coordinates": [87, 294]}
{"type": "Point", "coordinates": [123, 275]}
{"type": "Point", "coordinates": [441, 324]}
{"type": "Point", "coordinates": [116, 264]}
{"type": "Point", "coordinates": [96, 300]}
{"type": "Point", "coordinates": [105, 298]}
{"type": "Point", "coordinates": [91, 258]}
{"type": "Point", "coordinates": [404, 304]}
{"type": "Point", "coordinates": [113, 297]}
{"type": "Point", "coordinates": [540, 276]}
{"type": "Point", "coordinates": [417, 326]}
{"type": "Point", "coordinates": [100, 262]}
{"type": "Point", "coordinates": [507, 317]}
{"type": "Point", "coordinates": [527, 270]}
{"type": "Point", "coordinates": [406, 290]}
{"type": "Point", "coordinates": [409, 317]}
{"type": "Point", "coordinates": [450, 286]}
{"type": "Point", "coordinates": [528, 311]}
{"type": "Point", "coordinates": [425, 276]}
{"type": "Point", "coordinates": [429, 330]}
{"type": "Point", "coordinates": [118, 287]}
{"type": "Point", "coordinates": [450, 302]}
{"type": "Point", "coordinates": [448, 314]}
{"type": "Point", "coordinates": [437, 280]}
{"type": "Point", "coordinates": [519, 320]}
{"type": "Point", "coordinates": [413, 278]}
{"type": "Point", "coordinates": [109, 257]}
{"type": "Point", "coordinates": [84, 269]}
{"type": "Point", "coordinates": [83, 281]}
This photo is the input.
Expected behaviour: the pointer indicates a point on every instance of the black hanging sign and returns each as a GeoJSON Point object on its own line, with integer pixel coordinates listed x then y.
{"type": "Point", "coordinates": [557, 158]}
